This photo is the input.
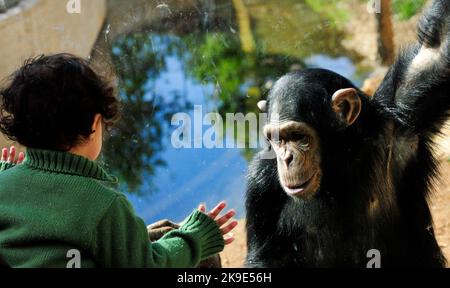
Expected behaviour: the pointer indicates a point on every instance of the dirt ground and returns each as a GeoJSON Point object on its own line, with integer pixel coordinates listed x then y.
{"type": "Point", "coordinates": [440, 208]}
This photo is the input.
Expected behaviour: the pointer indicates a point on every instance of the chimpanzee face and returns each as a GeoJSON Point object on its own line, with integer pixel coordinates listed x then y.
{"type": "Point", "coordinates": [298, 156]}
{"type": "Point", "coordinates": [294, 134]}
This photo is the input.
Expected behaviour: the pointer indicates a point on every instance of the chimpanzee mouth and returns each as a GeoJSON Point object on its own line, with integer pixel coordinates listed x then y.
{"type": "Point", "coordinates": [297, 190]}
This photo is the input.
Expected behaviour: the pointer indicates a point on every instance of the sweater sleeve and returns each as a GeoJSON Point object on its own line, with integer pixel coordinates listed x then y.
{"type": "Point", "coordinates": [121, 240]}
{"type": "Point", "coordinates": [6, 165]}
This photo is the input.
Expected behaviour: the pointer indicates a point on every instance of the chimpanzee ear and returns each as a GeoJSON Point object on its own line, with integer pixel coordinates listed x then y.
{"type": "Point", "coordinates": [347, 104]}
{"type": "Point", "coordinates": [262, 105]}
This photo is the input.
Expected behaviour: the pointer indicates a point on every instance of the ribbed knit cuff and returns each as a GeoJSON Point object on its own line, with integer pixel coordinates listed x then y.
{"type": "Point", "coordinates": [206, 231]}
{"type": "Point", "coordinates": [6, 165]}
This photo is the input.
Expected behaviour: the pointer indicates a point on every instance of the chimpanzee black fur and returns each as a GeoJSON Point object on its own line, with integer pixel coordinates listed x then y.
{"type": "Point", "coordinates": [377, 174]}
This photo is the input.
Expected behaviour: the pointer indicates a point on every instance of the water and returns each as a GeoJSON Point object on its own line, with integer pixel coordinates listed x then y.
{"type": "Point", "coordinates": [190, 176]}
{"type": "Point", "coordinates": [169, 58]}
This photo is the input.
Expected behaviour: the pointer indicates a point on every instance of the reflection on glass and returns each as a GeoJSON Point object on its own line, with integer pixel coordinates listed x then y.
{"type": "Point", "coordinates": [217, 55]}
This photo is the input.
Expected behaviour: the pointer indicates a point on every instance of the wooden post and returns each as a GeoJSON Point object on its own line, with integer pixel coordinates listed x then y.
{"type": "Point", "coordinates": [385, 35]}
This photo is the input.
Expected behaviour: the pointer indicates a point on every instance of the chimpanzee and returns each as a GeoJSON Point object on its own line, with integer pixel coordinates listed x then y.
{"type": "Point", "coordinates": [353, 173]}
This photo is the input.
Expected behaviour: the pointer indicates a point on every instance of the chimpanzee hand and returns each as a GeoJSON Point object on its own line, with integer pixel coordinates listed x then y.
{"type": "Point", "coordinates": [433, 26]}
{"type": "Point", "coordinates": [160, 228]}
{"type": "Point", "coordinates": [157, 230]}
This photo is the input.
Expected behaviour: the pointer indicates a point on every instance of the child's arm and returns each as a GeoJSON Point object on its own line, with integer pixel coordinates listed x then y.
{"type": "Point", "coordinates": [121, 240]}
{"type": "Point", "coordinates": [9, 160]}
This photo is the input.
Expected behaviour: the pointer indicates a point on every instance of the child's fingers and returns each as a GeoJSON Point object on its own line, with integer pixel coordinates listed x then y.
{"type": "Point", "coordinates": [4, 154]}
{"type": "Point", "coordinates": [202, 208]}
{"type": "Point", "coordinates": [21, 158]}
{"type": "Point", "coordinates": [216, 211]}
{"type": "Point", "coordinates": [229, 227]}
{"type": "Point", "coordinates": [12, 154]}
{"type": "Point", "coordinates": [224, 219]}
{"type": "Point", "coordinates": [229, 240]}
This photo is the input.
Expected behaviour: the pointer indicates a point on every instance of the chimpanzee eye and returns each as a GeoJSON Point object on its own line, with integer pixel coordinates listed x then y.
{"type": "Point", "coordinates": [299, 137]}
{"type": "Point", "coordinates": [275, 140]}
{"type": "Point", "coordinates": [303, 140]}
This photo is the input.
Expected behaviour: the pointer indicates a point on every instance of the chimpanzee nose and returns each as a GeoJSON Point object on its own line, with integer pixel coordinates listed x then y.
{"type": "Point", "coordinates": [288, 157]}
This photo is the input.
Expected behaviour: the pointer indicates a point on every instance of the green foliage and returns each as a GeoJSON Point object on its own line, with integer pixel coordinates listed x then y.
{"type": "Point", "coordinates": [293, 28]}
{"type": "Point", "coordinates": [240, 78]}
{"type": "Point", "coordinates": [331, 9]}
{"type": "Point", "coordinates": [405, 9]}
{"type": "Point", "coordinates": [217, 59]}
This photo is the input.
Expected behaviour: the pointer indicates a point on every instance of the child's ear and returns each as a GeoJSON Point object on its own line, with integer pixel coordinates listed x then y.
{"type": "Point", "coordinates": [96, 125]}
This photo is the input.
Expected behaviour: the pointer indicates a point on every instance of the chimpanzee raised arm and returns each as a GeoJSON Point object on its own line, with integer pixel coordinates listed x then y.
{"type": "Point", "coordinates": [416, 89]}
{"type": "Point", "coordinates": [352, 174]}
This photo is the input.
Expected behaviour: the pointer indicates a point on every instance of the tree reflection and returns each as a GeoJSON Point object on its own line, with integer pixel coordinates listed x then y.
{"type": "Point", "coordinates": [133, 148]}
{"type": "Point", "coordinates": [211, 56]}
{"type": "Point", "coordinates": [241, 79]}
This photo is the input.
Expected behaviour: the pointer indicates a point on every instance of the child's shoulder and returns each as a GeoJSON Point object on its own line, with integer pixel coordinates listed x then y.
{"type": "Point", "coordinates": [108, 189]}
{"type": "Point", "coordinates": [71, 190]}
{"type": "Point", "coordinates": [96, 190]}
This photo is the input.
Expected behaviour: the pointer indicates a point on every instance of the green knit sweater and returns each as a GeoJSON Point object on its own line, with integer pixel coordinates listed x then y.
{"type": "Point", "coordinates": [55, 202]}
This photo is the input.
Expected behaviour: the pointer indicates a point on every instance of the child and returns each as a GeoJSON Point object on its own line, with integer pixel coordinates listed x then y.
{"type": "Point", "coordinates": [58, 200]}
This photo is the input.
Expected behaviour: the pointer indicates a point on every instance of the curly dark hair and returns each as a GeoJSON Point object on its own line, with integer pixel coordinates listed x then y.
{"type": "Point", "coordinates": [51, 101]}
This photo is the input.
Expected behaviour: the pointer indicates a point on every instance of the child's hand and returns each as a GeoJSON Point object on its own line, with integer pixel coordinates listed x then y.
{"type": "Point", "coordinates": [10, 156]}
{"type": "Point", "coordinates": [222, 220]}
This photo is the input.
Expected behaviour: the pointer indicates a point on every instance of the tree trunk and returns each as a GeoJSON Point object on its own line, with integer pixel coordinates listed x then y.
{"type": "Point", "coordinates": [245, 29]}
{"type": "Point", "coordinates": [385, 35]}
